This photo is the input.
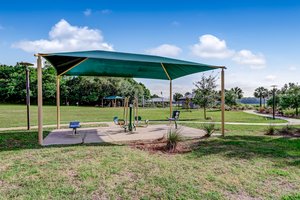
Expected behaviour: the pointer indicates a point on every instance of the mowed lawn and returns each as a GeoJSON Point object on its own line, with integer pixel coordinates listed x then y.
{"type": "Point", "coordinates": [243, 165]}
{"type": "Point", "coordinates": [15, 115]}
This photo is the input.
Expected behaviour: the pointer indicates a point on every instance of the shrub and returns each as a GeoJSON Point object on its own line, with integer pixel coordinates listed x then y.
{"type": "Point", "coordinates": [289, 113]}
{"type": "Point", "coordinates": [270, 130]}
{"type": "Point", "coordinates": [209, 129]}
{"type": "Point", "coordinates": [173, 137]}
{"type": "Point", "coordinates": [287, 130]}
{"type": "Point", "coordinates": [209, 118]}
{"type": "Point", "coordinates": [262, 110]}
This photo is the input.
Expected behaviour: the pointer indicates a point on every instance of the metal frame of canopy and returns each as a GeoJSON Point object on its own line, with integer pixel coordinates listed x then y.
{"type": "Point", "coordinates": [79, 61]}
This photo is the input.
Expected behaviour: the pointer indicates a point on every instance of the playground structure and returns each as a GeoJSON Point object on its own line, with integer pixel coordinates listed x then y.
{"type": "Point", "coordinates": [128, 122]}
{"type": "Point", "coordinates": [118, 64]}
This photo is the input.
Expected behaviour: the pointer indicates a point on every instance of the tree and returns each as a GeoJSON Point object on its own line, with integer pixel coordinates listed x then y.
{"type": "Point", "coordinates": [238, 91]}
{"type": "Point", "coordinates": [261, 93]}
{"type": "Point", "coordinates": [187, 94]}
{"type": "Point", "coordinates": [230, 97]}
{"type": "Point", "coordinates": [154, 96]}
{"type": "Point", "coordinates": [291, 98]}
{"type": "Point", "coordinates": [85, 90]}
{"type": "Point", "coordinates": [205, 93]}
{"type": "Point", "coordinates": [176, 97]}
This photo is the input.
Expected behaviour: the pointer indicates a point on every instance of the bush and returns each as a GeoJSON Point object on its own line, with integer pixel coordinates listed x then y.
{"type": "Point", "coordinates": [173, 137]}
{"type": "Point", "coordinates": [287, 130]}
{"type": "Point", "coordinates": [289, 113]}
{"type": "Point", "coordinates": [209, 129]}
{"type": "Point", "coordinates": [270, 130]}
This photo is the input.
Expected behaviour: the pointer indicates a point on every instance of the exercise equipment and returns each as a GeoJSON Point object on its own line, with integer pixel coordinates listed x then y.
{"type": "Point", "coordinates": [131, 119]}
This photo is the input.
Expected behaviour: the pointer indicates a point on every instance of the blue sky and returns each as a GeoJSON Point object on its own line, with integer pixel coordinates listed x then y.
{"type": "Point", "coordinates": [258, 41]}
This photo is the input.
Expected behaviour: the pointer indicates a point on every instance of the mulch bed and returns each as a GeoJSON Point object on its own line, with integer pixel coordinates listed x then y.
{"type": "Point", "coordinates": [289, 133]}
{"type": "Point", "coordinates": [159, 146]}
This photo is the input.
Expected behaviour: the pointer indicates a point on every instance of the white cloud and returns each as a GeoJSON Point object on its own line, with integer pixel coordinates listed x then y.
{"type": "Point", "coordinates": [87, 12]}
{"type": "Point", "coordinates": [165, 50]}
{"type": "Point", "coordinates": [175, 23]}
{"type": "Point", "coordinates": [246, 57]}
{"type": "Point", "coordinates": [270, 77]}
{"type": "Point", "coordinates": [292, 68]}
{"type": "Point", "coordinates": [106, 11]}
{"type": "Point", "coordinates": [210, 46]}
{"type": "Point", "coordinates": [65, 37]}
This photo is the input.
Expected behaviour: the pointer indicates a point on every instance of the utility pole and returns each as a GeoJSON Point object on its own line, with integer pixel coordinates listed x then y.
{"type": "Point", "coordinates": [25, 64]}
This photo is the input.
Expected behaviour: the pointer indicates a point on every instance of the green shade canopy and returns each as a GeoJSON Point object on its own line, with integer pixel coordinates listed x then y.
{"type": "Point", "coordinates": [116, 64]}
{"type": "Point", "coordinates": [112, 97]}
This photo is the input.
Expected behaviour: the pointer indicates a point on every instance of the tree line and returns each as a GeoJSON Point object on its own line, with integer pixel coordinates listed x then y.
{"type": "Point", "coordinates": [206, 94]}
{"type": "Point", "coordinates": [84, 90]}
{"type": "Point", "coordinates": [287, 97]}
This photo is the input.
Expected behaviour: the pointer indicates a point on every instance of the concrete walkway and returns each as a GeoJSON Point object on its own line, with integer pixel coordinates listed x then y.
{"type": "Point", "coordinates": [291, 121]}
{"type": "Point", "coordinates": [115, 134]}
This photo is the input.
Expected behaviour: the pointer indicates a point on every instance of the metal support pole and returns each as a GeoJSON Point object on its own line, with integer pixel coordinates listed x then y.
{"type": "Point", "coordinates": [171, 100]}
{"type": "Point", "coordinates": [28, 97]}
{"type": "Point", "coordinates": [58, 102]}
{"type": "Point", "coordinates": [222, 103]}
{"type": "Point", "coordinates": [274, 103]}
{"type": "Point", "coordinates": [130, 118]}
{"type": "Point", "coordinates": [40, 99]}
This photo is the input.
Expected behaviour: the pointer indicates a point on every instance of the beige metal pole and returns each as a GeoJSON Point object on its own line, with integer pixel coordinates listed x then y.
{"type": "Point", "coordinates": [58, 102]}
{"type": "Point", "coordinates": [222, 102]}
{"type": "Point", "coordinates": [171, 98]}
{"type": "Point", "coordinates": [40, 99]}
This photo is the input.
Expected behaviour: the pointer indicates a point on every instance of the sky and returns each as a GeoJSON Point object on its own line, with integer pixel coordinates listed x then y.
{"type": "Point", "coordinates": [257, 40]}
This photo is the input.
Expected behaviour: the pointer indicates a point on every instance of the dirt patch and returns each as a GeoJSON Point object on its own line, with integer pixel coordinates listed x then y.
{"type": "Point", "coordinates": [241, 196]}
{"type": "Point", "coordinates": [160, 145]}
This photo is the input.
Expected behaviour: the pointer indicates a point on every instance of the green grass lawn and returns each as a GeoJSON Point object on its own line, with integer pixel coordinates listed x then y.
{"type": "Point", "coordinates": [243, 165]}
{"type": "Point", "coordinates": [15, 115]}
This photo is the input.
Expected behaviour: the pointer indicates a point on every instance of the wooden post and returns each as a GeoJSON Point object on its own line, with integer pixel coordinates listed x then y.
{"type": "Point", "coordinates": [40, 99]}
{"type": "Point", "coordinates": [171, 99]}
{"type": "Point", "coordinates": [58, 102]}
{"type": "Point", "coordinates": [28, 97]}
{"type": "Point", "coordinates": [222, 103]}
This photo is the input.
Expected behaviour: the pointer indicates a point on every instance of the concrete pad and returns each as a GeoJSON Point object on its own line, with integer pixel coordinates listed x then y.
{"type": "Point", "coordinates": [114, 134]}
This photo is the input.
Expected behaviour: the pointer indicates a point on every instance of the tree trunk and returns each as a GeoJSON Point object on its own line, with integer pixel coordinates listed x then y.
{"type": "Point", "coordinates": [260, 102]}
{"type": "Point", "coordinates": [297, 111]}
{"type": "Point", "coordinates": [204, 111]}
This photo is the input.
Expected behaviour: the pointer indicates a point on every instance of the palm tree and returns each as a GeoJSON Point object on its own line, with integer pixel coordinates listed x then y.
{"type": "Point", "coordinates": [238, 91]}
{"type": "Point", "coordinates": [265, 94]}
{"type": "Point", "coordinates": [261, 93]}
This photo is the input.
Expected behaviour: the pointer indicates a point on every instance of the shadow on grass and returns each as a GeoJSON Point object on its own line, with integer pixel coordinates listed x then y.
{"type": "Point", "coordinates": [18, 140]}
{"type": "Point", "coordinates": [249, 147]}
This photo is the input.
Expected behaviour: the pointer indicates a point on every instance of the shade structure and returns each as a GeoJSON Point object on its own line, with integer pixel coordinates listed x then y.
{"type": "Point", "coordinates": [112, 97]}
{"type": "Point", "coordinates": [117, 64]}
